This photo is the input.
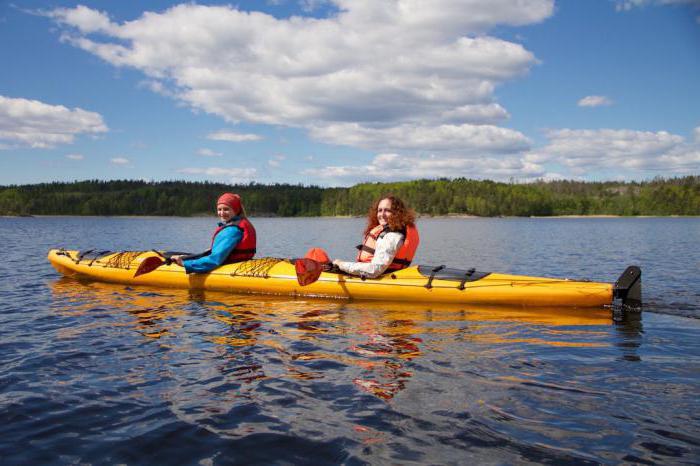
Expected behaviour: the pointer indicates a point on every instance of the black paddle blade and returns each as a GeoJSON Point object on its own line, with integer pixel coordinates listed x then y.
{"type": "Point", "coordinates": [149, 264]}
{"type": "Point", "coordinates": [308, 270]}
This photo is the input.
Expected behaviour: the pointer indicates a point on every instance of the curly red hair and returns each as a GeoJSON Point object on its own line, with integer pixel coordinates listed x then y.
{"type": "Point", "coordinates": [401, 217]}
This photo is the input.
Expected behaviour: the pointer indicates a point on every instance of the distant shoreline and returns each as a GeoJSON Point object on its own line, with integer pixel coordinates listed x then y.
{"type": "Point", "coordinates": [420, 216]}
{"type": "Point", "coordinates": [457, 198]}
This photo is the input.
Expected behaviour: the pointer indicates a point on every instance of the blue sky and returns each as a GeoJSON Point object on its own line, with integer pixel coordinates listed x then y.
{"type": "Point", "coordinates": [336, 92]}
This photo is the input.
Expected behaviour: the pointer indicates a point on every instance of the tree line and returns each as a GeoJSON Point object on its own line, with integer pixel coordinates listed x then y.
{"type": "Point", "coordinates": [660, 196]}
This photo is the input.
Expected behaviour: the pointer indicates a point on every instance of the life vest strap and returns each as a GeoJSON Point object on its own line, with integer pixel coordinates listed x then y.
{"type": "Point", "coordinates": [364, 248]}
{"type": "Point", "coordinates": [405, 262]}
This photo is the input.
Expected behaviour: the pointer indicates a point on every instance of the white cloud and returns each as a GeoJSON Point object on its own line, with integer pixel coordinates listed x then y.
{"type": "Point", "coordinates": [157, 87]}
{"type": "Point", "coordinates": [375, 65]}
{"type": "Point", "coordinates": [582, 146]}
{"type": "Point", "coordinates": [587, 151]}
{"type": "Point", "coordinates": [571, 154]}
{"type": "Point", "coordinates": [311, 5]}
{"type": "Point", "coordinates": [395, 167]}
{"type": "Point", "coordinates": [30, 123]}
{"type": "Point", "coordinates": [75, 156]}
{"type": "Point", "coordinates": [204, 152]}
{"type": "Point", "coordinates": [594, 101]}
{"type": "Point", "coordinates": [626, 5]}
{"type": "Point", "coordinates": [476, 114]}
{"type": "Point", "coordinates": [84, 19]}
{"type": "Point", "coordinates": [465, 139]}
{"type": "Point", "coordinates": [120, 161]}
{"type": "Point", "coordinates": [683, 160]}
{"type": "Point", "coordinates": [276, 160]}
{"type": "Point", "coordinates": [231, 136]}
{"type": "Point", "coordinates": [235, 174]}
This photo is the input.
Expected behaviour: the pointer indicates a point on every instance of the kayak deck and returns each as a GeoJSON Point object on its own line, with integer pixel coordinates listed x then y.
{"type": "Point", "coordinates": [278, 277]}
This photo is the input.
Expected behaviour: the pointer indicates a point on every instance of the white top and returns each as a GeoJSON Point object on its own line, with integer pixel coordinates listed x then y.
{"type": "Point", "coordinates": [384, 252]}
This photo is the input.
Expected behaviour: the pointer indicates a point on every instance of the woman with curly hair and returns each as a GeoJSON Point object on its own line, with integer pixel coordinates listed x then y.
{"type": "Point", "coordinates": [390, 241]}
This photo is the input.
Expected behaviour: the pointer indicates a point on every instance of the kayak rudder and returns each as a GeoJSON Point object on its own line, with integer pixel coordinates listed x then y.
{"type": "Point", "coordinates": [628, 288]}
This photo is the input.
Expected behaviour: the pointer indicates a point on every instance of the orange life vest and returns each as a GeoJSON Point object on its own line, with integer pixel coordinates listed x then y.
{"type": "Point", "coordinates": [245, 249]}
{"type": "Point", "coordinates": [404, 255]}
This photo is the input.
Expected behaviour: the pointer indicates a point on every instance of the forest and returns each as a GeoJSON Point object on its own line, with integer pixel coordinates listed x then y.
{"type": "Point", "coordinates": [461, 196]}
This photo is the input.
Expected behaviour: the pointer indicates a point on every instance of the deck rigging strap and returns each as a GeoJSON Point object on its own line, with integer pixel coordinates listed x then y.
{"type": "Point", "coordinates": [63, 252]}
{"type": "Point", "coordinates": [467, 276]}
{"type": "Point", "coordinates": [90, 254]}
{"type": "Point", "coordinates": [82, 254]}
{"type": "Point", "coordinates": [435, 270]}
{"type": "Point", "coordinates": [122, 260]}
{"type": "Point", "coordinates": [259, 268]}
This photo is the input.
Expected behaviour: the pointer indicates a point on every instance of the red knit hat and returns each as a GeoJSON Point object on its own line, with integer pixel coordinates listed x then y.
{"type": "Point", "coordinates": [231, 200]}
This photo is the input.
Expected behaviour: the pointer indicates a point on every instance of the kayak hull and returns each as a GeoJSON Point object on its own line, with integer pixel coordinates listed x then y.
{"type": "Point", "coordinates": [278, 277]}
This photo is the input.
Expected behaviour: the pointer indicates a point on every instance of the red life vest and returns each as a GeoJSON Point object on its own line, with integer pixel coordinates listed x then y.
{"type": "Point", "coordinates": [404, 255]}
{"type": "Point", "coordinates": [245, 249]}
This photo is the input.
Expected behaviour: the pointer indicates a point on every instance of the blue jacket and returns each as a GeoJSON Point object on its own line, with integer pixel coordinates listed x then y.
{"type": "Point", "coordinates": [224, 242]}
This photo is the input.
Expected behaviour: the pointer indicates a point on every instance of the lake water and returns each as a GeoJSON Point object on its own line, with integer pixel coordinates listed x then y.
{"type": "Point", "coordinates": [107, 374]}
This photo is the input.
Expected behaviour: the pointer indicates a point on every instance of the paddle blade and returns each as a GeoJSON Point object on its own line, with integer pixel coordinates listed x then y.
{"type": "Point", "coordinates": [149, 264]}
{"type": "Point", "coordinates": [308, 270]}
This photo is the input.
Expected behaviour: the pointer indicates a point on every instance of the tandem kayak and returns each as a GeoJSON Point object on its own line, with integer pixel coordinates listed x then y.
{"type": "Point", "coordinates": [438, 284]}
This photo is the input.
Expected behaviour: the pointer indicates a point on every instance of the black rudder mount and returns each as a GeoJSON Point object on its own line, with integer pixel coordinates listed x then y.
{"type": "Point", "coordinates": [628, 287]}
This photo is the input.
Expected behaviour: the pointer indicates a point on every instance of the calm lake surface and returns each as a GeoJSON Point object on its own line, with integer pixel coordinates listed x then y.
{"type": "Point", "coordinates": [107, 374]}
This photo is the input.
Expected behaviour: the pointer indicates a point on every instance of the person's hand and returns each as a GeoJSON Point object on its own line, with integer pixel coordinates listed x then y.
{"type": "Point", "coordinates": [177, 260]}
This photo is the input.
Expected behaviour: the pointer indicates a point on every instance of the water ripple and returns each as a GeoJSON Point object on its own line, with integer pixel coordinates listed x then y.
{"type": "Point", "coordinates": [108, 374]}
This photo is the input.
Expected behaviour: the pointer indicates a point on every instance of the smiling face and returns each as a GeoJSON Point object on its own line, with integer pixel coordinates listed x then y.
{"type": "Point", "coordinates": [225, 212]}
{"type": "Point", "coordinates": [384, 211]}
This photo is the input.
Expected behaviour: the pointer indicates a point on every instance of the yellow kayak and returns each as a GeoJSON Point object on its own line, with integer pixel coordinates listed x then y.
{"type": "Point", "coordinates": [436, 284]}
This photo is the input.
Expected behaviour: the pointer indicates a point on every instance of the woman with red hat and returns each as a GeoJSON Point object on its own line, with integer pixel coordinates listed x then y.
{"type": "Point", "coordinates": [233, 240]}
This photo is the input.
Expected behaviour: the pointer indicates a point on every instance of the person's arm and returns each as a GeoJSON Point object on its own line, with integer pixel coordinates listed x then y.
{"type": "Point", "coordinates": [179, 258]}
{"type": "Point", "coordinates": [384, 254]}
{"type": "Point", "coordinates": [224, 243]}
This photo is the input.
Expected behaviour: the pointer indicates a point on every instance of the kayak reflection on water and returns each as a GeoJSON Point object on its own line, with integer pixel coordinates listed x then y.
{"type": "Point", "coordinates": [262, 337]}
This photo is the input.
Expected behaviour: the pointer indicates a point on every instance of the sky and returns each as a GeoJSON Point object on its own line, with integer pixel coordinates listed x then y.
{"type": "Point", "coordinates": [339, 92]}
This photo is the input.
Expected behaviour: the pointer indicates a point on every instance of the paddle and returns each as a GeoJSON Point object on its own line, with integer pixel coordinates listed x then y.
{"type": "Point", "coordinates": [308, 270]}
{"type": "Point", "coordinates": [149, 264]}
